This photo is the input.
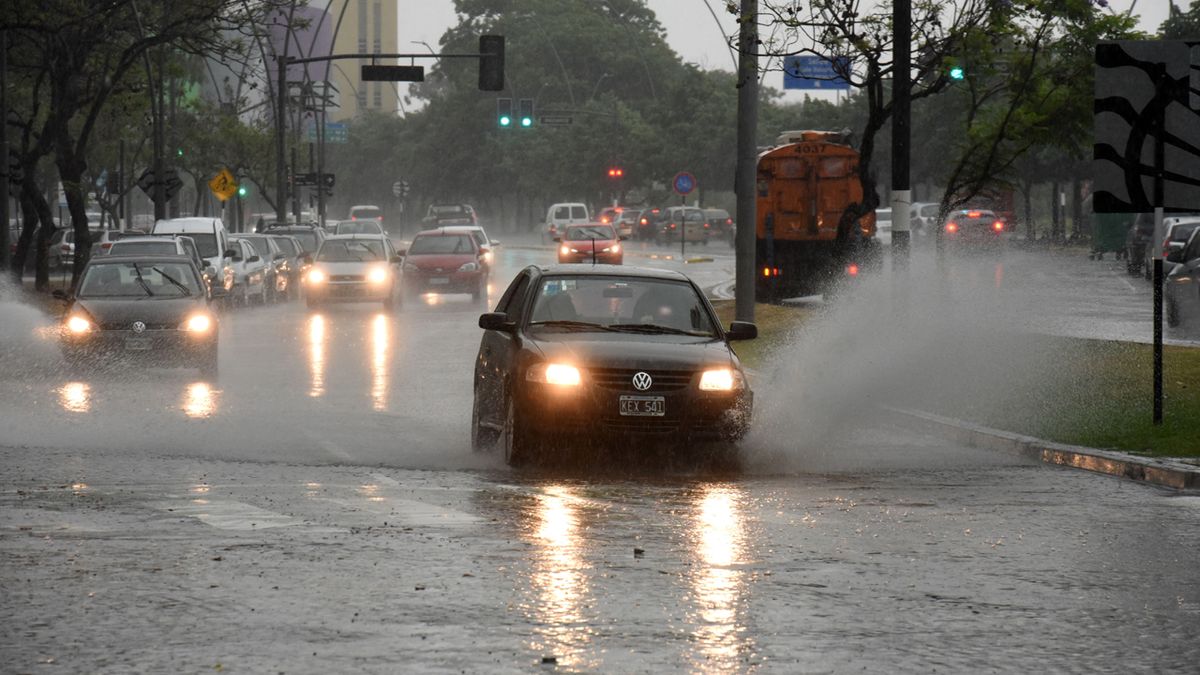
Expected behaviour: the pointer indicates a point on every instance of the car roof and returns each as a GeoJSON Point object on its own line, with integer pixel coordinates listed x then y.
{"type": "Point", "coordinates": [611, 271]}
{"type": "Point", "coordinates": [442, 232]}
{"type": "Point", "coordinates": [157, 257]}
{"type": "Point", "coordinates": [371, 236]}
{"type": "Point", "coordinates": [144, 237]}
{"type": "Point", "coordinates": [191, 220]}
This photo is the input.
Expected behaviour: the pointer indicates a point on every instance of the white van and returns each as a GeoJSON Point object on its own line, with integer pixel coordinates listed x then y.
{"type": "Point", "coordinates": [211, 240]}
{"type": "Point", "coordinates": [567, 213]}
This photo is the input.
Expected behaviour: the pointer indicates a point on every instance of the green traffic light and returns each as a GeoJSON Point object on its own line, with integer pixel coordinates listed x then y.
{"type": "Point", "coordinates": [526, 122]}
{"type": "Point", "coordinates": [957, 73]}
{"type": "Point", "coordinates": [179, 152]}
{"type": "Point", "coordinates": [242, 191]}
{"type": "Point", "coordinates": [505, 121]}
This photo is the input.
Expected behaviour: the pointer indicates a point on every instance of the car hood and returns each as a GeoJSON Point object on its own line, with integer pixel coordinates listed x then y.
{"type": "Point", "coordinates": [447, 262]}
{"type": "Point", "coordinates": [626, 350]}
{"type": "Point", "coordinates": [150, 310]}
{"type": "Point", "coordinates": [585, 246]}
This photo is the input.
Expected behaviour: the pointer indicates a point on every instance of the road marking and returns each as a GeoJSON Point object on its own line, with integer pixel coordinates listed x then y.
{"type": "Point", "coordinates": [226, 514]}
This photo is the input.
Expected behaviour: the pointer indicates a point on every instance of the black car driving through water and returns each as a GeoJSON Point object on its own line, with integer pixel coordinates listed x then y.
{"type": "Point", "coordinates": [572, 355]}
{"type": "Point", "coordinates": [153, 307]}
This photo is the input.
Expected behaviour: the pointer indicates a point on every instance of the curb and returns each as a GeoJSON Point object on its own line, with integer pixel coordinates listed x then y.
{"type": "Point", "coordinates": [1166, 472]}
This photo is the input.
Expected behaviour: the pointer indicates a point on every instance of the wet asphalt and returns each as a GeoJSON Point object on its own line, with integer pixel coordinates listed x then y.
{"type": "Point", "coordinates": [317, 508]}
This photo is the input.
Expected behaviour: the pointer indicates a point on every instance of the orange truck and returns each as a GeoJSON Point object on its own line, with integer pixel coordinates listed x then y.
{"type": "Point", "coordinates": [807, 240]}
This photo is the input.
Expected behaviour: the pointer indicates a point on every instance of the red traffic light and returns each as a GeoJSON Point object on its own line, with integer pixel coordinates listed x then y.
{"type": "Point", "coordinates": [616, 172]}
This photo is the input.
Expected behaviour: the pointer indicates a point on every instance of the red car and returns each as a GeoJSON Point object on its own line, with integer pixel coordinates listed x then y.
{"type": "Point", "coordinates": [590, 243]}
{"type": "Point", "coordinates": [444, 262]}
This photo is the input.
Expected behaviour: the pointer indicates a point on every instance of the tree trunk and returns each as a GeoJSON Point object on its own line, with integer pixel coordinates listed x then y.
{"type": "Point", "coordinates": [1078, 230]}
{"type": "Point", "coordinates": [71, 169]}
{"type": "Point", "coordinates": [41, 260]}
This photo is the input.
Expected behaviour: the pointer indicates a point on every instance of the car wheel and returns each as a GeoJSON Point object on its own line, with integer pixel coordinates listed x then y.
{"type": "Point", "coordinates": [1172, 312]}
{"type": "Point", "coordinates": [517, 441]}
{"type": "Point", "coordinates": [483, 439]}
{"type": "Point", "coordinates": [209, 364]}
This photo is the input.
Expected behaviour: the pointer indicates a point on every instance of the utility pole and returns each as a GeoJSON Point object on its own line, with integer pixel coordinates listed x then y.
{"type": "Point", "coordinates": [747, 160]}
{"type": "Point", "coordinates": [160, 173]}
{"type": "Point", "coordinates": [4, 170]}
{"type": "Point", "coordinates": [280, 143]}
{"type": "Point", "coordinates": [901, 97]}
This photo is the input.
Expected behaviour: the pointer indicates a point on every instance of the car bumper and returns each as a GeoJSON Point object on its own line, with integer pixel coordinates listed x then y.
{"type": "Point", "coordinates": [592, 411]}
{"type": "Point", "coordinates": [348, 291]}
{"type": "Point", "coordinates": [450, 282]}
{"type": "Point", "coordinates": [600, 258]}
{"type": "Point", "coordinates": [161, 346]}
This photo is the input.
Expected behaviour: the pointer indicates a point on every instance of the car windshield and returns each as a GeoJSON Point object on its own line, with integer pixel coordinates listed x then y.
{"type": "Point", "coordinates": [447, 210]}
{"type": "Point", "coordinates": [1182, 231]}
{"type": "Point", "coordinates": [357, 227]}
{"type": "Point", "coordinates": [144, 248]}
{"type": "Point", "coordinates": [590, 232]}
{"type": "Point", "coordinates": [621, 304]}
{"type": "Point", "coordinates": [351, 250]}
{"type": "Point", "coordinates": [261, 247]}
{"type": "Point", "coordinates": [138, 279]}
{"type": "Point", "coordinates": [442, 244]}
{"type": "Point", "coordinates": [206, 243]}
{"type": "Point", "coordinates": [287, 246]}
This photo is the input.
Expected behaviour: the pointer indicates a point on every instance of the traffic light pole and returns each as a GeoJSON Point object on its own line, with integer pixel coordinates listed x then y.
{"type": "Point", "coordinates": [4, 170]}
{"type": "Point", "coordinates": [901, 97]}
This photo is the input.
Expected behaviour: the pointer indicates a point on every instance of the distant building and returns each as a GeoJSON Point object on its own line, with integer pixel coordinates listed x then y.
{"type": "Point", "coordinates": [366, 27]}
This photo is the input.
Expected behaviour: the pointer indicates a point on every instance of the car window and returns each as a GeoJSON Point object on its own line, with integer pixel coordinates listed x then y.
{"type": "Point", "coordinates": [138, 279]}
{"type": "Point", "coordinates": [589, 232]}
{"type": "Point", "coordinates": [442, 244]}
{"type": "Point", "coordinates": [578, 213]}
{"type": "Point", "coordinates": [286, 245]}
{"type": "Point", "coordinates": [351, 250]}
{"type": "Point", "coordinates": [562, 213]}
{"type": "Point", "coordinates": [1182, 231]}
{"type": "Point", "coordinates": [622, 302]}
{"type": "Point", "coordinates": [511, 303]}
{"type": "Point", "coordinates": [260, 245]}
{"type": "Point", "coordinates": [308, 240]}
{"type": "Point", "coordinates": [143, 248]}
{"type": "Point", "coordinates": [357, 227]}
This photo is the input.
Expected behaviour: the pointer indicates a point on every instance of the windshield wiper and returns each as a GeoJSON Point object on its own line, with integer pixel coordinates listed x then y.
{"type": "Point", "coordinates": [173, 280]}
{"type": "Point", "coordinates": [654, 329]}
{"type": "Point", "coordinates": [570, 325]}
{"type": "Point", "coordinates": [142, 282]}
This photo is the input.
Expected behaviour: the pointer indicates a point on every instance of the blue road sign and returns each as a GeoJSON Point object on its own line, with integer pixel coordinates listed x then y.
{"type": "Point", "coordinates": [683, 183]}
{"type": "Point", "coordinates": [814, 72]}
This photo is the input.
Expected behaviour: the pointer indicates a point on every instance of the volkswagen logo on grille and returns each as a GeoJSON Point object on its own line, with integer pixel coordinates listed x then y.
{"type": "Point", "coordinates": [139, 327]}
{"type": "Point", "coordinates": [642, 381]}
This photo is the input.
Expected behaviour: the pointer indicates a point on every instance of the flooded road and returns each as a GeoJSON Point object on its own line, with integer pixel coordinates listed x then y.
{"type": "Point", "coordinates": [317, 508]}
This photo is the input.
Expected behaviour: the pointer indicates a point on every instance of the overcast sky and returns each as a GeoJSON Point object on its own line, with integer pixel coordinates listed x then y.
{"type": "Point", "coordinates": [691, 30]}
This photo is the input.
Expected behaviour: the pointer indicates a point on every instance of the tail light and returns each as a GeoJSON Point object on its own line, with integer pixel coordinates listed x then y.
{"type": "Point", "coordinates": [106, 245]}
{"type": "Point", "coordinates": [972, 214]}
{"type": "Point", "coordinates": [729, 221]}
{"type": "Point", "coordinates": [952, 227]}
{"type": "Point", "coordinates": [852, 270]}
{"type": "Point", "coordinates": [643, 221]}
{"type": "Point", "coordinates": [65, 248]}
{"type": "Point", "coordinates": [672, 226]}
{"type": "Point", "coordinates": [706, 226]}
{"type": "Point", "coordinates": [998, 226]}
{"type": "Point", "coordinates": [353, 217]}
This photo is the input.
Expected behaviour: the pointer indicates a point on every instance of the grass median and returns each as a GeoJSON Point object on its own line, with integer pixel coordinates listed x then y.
{"type": "Point", "coordinates": [1093, 393]}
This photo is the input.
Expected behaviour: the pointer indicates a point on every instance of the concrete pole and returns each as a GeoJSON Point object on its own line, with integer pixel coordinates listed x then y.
{"type": "Point", "coordinates": [160, 173]}
{"type": "Point", "coordinates": [901, 97]}
{"type": "Point", "coordinates": [4, 174]}
{"type": "Point", "coordinates": [747, 160]}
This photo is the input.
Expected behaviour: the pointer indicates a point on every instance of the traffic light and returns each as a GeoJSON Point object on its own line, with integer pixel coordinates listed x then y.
{"type": "Point", "coordinates": [179, 152]}
{"type": "Point", "coordinates": [491, 63]}
{"type": "Point", "coordinates": [616, 173]}
{"type": "Point", "coordinates": [526, 113]}
{"type": "Point", "coordinates": [957, 73]}
{"type": "Point", "coordinates": [242, 191]}
{"type": "Point", "coordinates": [504, 118]}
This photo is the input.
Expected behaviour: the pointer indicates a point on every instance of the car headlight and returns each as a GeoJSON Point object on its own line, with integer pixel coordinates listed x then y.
{"type": "Point", "coordinates": [487, 257]}
{"type": "Point", "coordinates": [316, 277]}
{"type": "Point", "coordinates": [554, 373]}
{"type": "Point", "coordinates": [377, 275]}
{"type": "Point", "coordinates": [564, 250]}
{"type": "Point", "coordinates": [720, 379]}
{"type": "Point", "coordinates": [615, 248]}
{"type": "Point", "coordinates": [198, 323]}
{"type": "Point", "coordinates": [469, 267]}
{"type": "Point", "coordinates": [78, 325]}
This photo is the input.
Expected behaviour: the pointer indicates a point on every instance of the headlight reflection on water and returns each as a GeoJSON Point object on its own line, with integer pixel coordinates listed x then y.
{"type": "Point", "coordinates": [717, 587]}
{"type": "Point", "coordinates": [316, 355]}
{"type": "Point", "coordinates": [199, 401]}
{"type": "Point", "coordinates": [380, 336]}
{"type": "Point", "coordinates": [75, 397]}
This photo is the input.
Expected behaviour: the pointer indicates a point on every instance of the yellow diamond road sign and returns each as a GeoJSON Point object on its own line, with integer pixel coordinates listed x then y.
{"type": "Point", "coordinates": [223, 185]}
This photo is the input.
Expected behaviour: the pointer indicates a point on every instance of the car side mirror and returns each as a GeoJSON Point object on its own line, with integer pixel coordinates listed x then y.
{"type": "Point", "coordinates": [230, 253]}
{"type": "Point", "coordinates": [496, 321]}
{"type": "Point", "coordinates": [741, 330]}
{"type": "Point", "coordinates": [253, 259]}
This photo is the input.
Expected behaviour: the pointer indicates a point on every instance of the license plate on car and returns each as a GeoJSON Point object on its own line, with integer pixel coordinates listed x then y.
{"type": "Point", "coordinates": [438, 281]}
{"type": "Point", "coordinates": [137, 344]}
{"type": "Point", "coordinates": [643, 406]}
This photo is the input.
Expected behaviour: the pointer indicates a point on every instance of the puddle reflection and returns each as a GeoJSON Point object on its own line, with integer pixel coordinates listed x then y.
{"type": "Point", "coordinates": [316, 355]}
{"type": "Point", "coordinates": [199, 401]}
{"type": "Point", "coordinates": [558, 578]}
{"type": "Point", "coordinates": [75, 397]}
{"type": "Point", "coordinates": [719, 543]}
{"type": "Point", "coordinates": [380, 365]}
